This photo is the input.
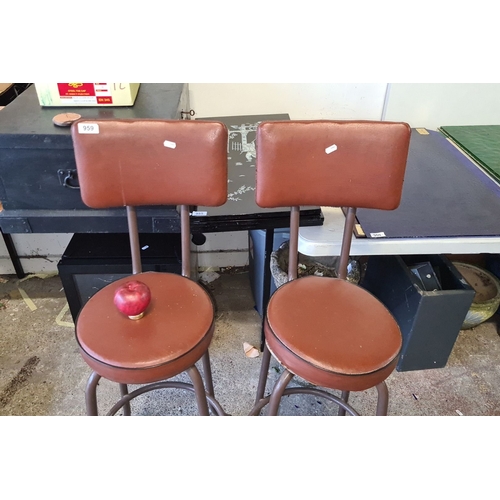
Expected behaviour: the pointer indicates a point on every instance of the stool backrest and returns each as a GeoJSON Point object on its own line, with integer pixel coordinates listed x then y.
{"type": "Point", "coordinates": [151, 162]}
{"type": "Point", "coordinates": [131, 163]}
{"type": "Point", "coordinates": [355, 164]}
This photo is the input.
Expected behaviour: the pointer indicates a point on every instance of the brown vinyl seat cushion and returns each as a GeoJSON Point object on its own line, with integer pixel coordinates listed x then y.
{"type": "Point", "coordinates": [174, 333]}
{"type": "Point", "coordinates": [332, 333]}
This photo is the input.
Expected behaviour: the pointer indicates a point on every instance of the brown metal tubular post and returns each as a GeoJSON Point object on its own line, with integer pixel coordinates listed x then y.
{"type": "Point", "coordinates": [199, 390]}
{"type": "Point", "coordinates": [345, 397]}
{"type": "Point", "coordinates": [346, 243]}
{"type": "Point", "coordinates": [383, 399]}
{"type": "Point", "coordinates": [293, 246]}
{"type": "Point", "coordinates": [91, 394]}
{"type": "Point", "coordinates": [207, 373]}
{"type": "Point", "coordinates": [185, 241]}
{"type": "Point", "coordinates": [264, 369]}
{"type": "Point", "coordinates": [279, 389]}
{"type": "Point", "coordinates": [126, 406]}
{"type": "Point", "coordinates": [134, 240]}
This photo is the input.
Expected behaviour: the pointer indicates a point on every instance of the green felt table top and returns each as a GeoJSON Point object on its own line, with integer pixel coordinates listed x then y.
{"type": "Point", "coordinates": [481, 142]}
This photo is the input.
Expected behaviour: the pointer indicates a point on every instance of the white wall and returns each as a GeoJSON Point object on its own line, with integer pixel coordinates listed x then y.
{"type": "Point", "coordinates": [421, 105]}
{"type": "Point", "coordinates": [302, 101]}
{"type": "Point", "coordinates": [39, 253]}
{"type": "Point", "coordinates": [431, 105]}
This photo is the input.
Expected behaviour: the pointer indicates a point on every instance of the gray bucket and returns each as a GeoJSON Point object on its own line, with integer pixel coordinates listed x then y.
{"type": "Point", "coordinates": [310, 266]}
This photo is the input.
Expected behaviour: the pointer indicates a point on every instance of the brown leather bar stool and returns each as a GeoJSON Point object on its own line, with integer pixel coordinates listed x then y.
{"type": "Point", "coordinates": [328, 331]}
{"type": "Point", "coordinates": [150, 162]}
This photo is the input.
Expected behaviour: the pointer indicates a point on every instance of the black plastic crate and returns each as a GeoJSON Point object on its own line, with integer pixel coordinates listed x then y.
{"type": "Point", "coordinates": [430, 320]}
{"type": "Point", "coordinates": [92, 261]}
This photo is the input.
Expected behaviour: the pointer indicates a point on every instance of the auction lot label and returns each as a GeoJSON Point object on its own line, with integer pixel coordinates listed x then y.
{"type": "Point", "coordinates": [85, 93]}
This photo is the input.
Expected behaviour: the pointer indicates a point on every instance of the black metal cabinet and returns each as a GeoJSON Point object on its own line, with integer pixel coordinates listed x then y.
{"type": "Point", "coordinates": [92, 261]}
{"type": "Point", "coordinates": [38, 178]}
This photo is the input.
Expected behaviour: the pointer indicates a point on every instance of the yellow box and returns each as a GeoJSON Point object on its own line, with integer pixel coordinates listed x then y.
{"type": "Point", "coordinates": [87, 94]}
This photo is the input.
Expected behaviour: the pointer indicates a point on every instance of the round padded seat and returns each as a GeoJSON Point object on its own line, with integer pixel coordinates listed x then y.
{"type": "Point", "coordinates": [173, 334]}
{"type": "Point", "coordinates": [332, 333]}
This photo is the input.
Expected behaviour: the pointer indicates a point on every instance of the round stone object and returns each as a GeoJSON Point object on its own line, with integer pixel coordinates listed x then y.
{"type": "Point", "coordinates": [65, 119]}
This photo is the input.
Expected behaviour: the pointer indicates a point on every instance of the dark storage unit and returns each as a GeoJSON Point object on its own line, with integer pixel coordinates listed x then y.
{"type": "Point", "coordinates": [430, 321]}
{"type": "Point", "coordinates": [92, 261]}
{"type": "Point", "coordinates": [256, 262]}
{"type": "Point", "coordinates": [37, 160]}
{"type": "Point", "coordinates": [492, 264]}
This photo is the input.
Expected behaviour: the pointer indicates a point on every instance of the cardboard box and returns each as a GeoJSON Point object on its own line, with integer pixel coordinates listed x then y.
{"type": "Point", "coordinates": [87, 94]}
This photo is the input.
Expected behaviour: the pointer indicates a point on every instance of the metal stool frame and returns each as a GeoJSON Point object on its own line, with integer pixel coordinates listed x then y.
{"type": "Point", "coordinates": [272, 156]}
{"type": "Point", "coordinates": [204, 392]}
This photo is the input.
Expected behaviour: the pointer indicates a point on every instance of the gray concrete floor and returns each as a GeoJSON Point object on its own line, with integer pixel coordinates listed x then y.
{"type": "Point", "coordinates": [41, 372]}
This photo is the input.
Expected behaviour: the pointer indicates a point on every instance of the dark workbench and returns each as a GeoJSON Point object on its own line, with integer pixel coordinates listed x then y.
{"type": "Point", "coordinates": [240, 212]}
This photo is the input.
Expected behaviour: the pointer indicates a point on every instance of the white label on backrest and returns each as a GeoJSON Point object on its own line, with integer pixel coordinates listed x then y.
{"type": "Point", "coordinates": [377, 235]}
{"type": "Point", "coordinates": [331, 149]}
{"type": "Point", "coordinates": [170, 144]}
{"type": "Point", "coordinates": [88, 128]}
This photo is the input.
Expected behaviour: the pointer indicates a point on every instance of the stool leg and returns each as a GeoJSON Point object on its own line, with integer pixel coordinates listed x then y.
{"type": "Point", "coordinates": [126, 406]}
{"type": "Point", "coordinates": [199, 390]}
{"type": "Point", "coordinates": [345, 397]}
{"type": "Point", "coordinates": [279, 388]}
{"type": "Point", "coordinates": [264, 369]}
{"type": "Point", "coordinates": [383, 399]}
{"type": "Point", "coordinates": [91, 394]}
{"type": "Point", "coordinates": [207, 372]}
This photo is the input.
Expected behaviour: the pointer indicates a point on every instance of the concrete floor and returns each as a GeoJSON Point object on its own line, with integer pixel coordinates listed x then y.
{"type": "Point", "coordinates": [41, 372]}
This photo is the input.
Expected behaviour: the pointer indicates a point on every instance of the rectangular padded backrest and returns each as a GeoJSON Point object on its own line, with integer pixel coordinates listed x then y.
{"type": "Point", "coordinates": [151, 162]}
{"type": "Point", "coordinates": [331, 163]}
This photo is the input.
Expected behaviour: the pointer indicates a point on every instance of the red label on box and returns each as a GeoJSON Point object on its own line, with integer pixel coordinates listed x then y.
{"type": "Point", "coordinates": [104, 100]}
{"type": "Point", "coordinates": [76, 89]}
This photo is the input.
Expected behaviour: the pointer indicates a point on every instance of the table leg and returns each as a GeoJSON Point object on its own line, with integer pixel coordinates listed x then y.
{"type": "Point", "coordinates": [266, 292]}
{"type": "Point", "coordinates": [13, 255]}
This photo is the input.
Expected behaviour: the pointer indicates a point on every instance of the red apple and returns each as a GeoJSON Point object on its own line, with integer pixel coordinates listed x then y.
{"type": "Point", "coordinates": [132, 298]}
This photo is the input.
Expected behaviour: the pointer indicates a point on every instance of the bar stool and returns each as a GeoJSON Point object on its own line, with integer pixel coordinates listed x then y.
{"type": "Point", "coordinates": [132, 163]}
{"type": "Point", "coordinates": [328, 331]}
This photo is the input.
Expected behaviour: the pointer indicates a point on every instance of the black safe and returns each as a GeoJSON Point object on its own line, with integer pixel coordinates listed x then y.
{"type": "Point", "coordinates": [92, 261]}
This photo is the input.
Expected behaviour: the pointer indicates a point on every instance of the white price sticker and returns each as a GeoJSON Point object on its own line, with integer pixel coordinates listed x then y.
{"type": "Point", "coordinates": [88, 128]}
{"type": "Point", "coordinates": [199, 214]}
{"type": "Point", "coordinates": [377, 235]}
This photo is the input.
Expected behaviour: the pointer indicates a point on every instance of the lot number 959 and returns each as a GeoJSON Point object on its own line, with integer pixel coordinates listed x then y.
{"type": "Point", "coordinates": [88, 128]}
